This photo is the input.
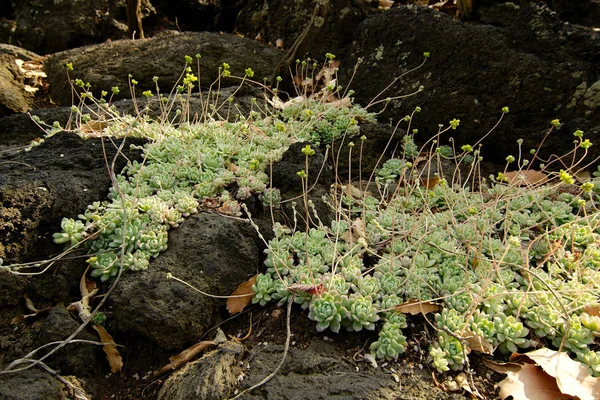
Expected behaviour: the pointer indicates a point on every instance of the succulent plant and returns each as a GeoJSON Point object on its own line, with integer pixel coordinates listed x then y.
{"type": "Point", "coordinates": [73, 232]}
{"type": "Point", "coordinates": [447, 352]}
{"type": "Point", "coordinates": [263, 289]}
{"type": "Point", "coordinates": [511, 333]}
{"type": "Point", "coordinates": [390, 343]}
{"type": "Point", "coordinates": [362, 312]}
{"type": "Point", "coordinates": [328, 311]}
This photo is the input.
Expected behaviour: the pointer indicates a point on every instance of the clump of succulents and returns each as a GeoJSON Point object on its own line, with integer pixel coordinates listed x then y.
{"type": "Point", "coordinates": [185, 166]}
{"type": "Point", "coordinates": [507, 263]}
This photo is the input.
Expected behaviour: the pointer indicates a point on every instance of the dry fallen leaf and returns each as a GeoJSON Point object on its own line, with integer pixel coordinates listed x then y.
{"type": "Point", "coordinates": [572, 377]}
{"type": "Point", "coordinates": [31, 307]}
{"type": "Point", "coordinates": [93, 126]}
{"type": "Point", "coordinates": [429, 183]}
{"type": "Point", "coordinates": [526, 177]}
{"type": "Point", "coordinates": [112, 354]}
{"type": "Point", "coordinates": [502, 367]}
{"type": "Point", "coordinates": [385, 4]}
{"type": "Point", "coordinates": [478, 343]}
{"type": "Point", "coordinates": [463, 383]}
{"type": "Point", "coordinates": [414, 307]}
{"type": "Point", "coordinates": [185, 356]}
{"type": "Point", "coordinates": [592, 311]}
{"type": "Point", "coordinates": [244, 290]}
{"type": "Point", "coordinates": [530, 383]}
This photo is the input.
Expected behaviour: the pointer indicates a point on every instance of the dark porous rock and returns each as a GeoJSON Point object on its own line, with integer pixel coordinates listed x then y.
{"type": "Point", "coordinates": [56, 179]}
{"type": "Point", "coordinates": [109, 64]}
{"type": "Point", "coordinates": [18, 130]}
{"type": "Point", "coordinates": [381, 143]}
{"type": "Point", "coordinates": [213, 377]}
{"type": "Point", "coordinates": [194, 15]}
{"type": "Point", "coordinates": [82, 359]}
{"type": "Point", "coordinates": [285, 178]}
{"type": "Point", "coordinates": [32, 384]}
{"type": "Point", "coordinates": [209, 251]}
{"type": "Point", "coordinates": [48, 26]}
{"type": "Point", "coordinates": [323, 370]}
{"type": "Point", "coordinates": [12, 288]}
{"type": "Point", "coordinates": [530, 61]}
{"type": "Point", "coordinates": [330, 31]}
{"type": "Point", "coordinates": [13, 97]}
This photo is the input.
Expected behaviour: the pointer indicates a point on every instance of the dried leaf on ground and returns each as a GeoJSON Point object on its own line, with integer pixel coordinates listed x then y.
{"type": "Point", "coordinates": [112, 354]}
{"type": "Point", "coordinates": [356, 231]}
{"type": "Point", "coordinates": [429, 183]}
{"type": "Point", "coordinates": [556, 376]}
{"type": "Point", "coordinates": [185, 356]}
{"type": "Point", "coordinates": [414, 307]}
{"type": "Point", "coordinates": [93, 126]}
{"type": "Point", "coordinates": [463, 382]}
{"type": "Point", "coordinates": [530, 383]}
{"type": "Point", "coordinates": [592, 311]}
{"type": "Point", "coordinates": [244, 295]}
{"type": "Point", "coordinates": [572, 377]}
{"type": "Point", "coordinates": [478, 343]}
{"type": "Point", "coordinates": [526, 177]}
{"type": "Point", "coordinates": [501, 367]}
{"type": "Point", "coordinates": [386, 4]}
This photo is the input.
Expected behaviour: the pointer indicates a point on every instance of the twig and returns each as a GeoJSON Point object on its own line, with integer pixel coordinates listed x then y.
{"type": "Point", "coordinates": [285, 352]}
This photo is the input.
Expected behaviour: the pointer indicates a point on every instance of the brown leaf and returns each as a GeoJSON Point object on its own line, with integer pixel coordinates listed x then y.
{"type": "Point", "coordinates": [93, 126]}
{"type": "Point", "coordinates": [385, 4]}
{"type": "Point", "coordinates": [307, 288]}
{"type": "Point", "coordinates": [530, 383]}
{"type": "Point", "coordinates": [572, 377]}
{"type": "Point", "coordinates": [22, 318]}
{"type": "Point", "coordinates": [463, 382]}
{"type": "Point", "coordinates": [526, 177]}
{"type": "Point", "coordinates": [29, 304]}
{"type": "Point", "coordinates": [245, 293]}
{"type": "Point", "coordinates": [185, 356]}
{"type": "Point", "coordinates": [112, 354]}
{"type": "Point", "coordinates": [501, 367]}
{"type": "Point", "coordinates": [429, 183]}
{"type": "Point", "coordinates": [414, 307]}
{"type": "Point", "coordinates": [592, 311]}
{"type": "Point", "coordinates": [478, 343]}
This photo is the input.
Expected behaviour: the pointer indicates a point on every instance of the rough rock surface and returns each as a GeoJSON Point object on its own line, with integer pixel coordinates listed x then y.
{"type": "Point", "coordinates": [30, 385]}
{"type": "Point", "coordinates": [109, 64]}
{"type": "Point", "coordinates": [13, 97]}
{"type": "Point", "coordinates": [525, 59]}
{"type": "Point", "coordinates": [48, 26]}
{"type": "Point", "coordinates": [329, 28]}
{"type": "Point", "coordinates": [57, 179]}
{"type": "Point", "coordinates": [316, 367]}
{"type": "Point", "coordinates": [209, 251]}
{"type": "Point", "coordinates": [286, 179]}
